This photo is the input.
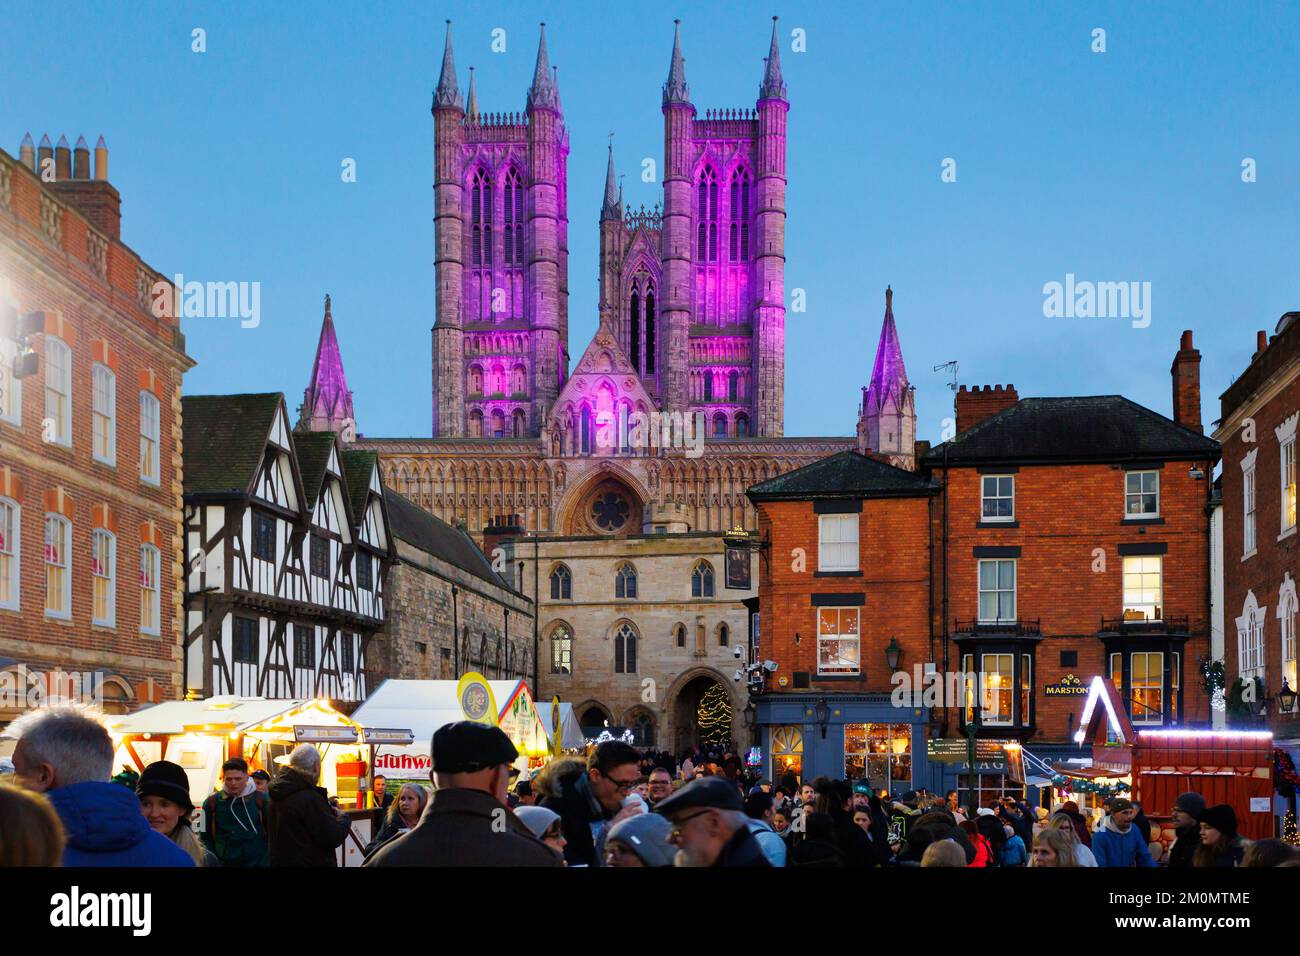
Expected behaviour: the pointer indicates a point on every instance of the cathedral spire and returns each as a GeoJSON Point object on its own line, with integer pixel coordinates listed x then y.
{"type": "Point", "coordinates": [327, 403]}
{"type": "Point", "coordinates": [447, 93]}
{"type": "Point", "coordinates": [471, 100]}
{"type": "Point", "coordinates": [543, 93]}
{"type": "Point", "coordinates": [613, 197]}
{"type": "Point", "coordinates": [676, 90]}
{"type": "Point", "coordinates": [773, 86]}
{"type": "Point", "coordinates": [888, 376]}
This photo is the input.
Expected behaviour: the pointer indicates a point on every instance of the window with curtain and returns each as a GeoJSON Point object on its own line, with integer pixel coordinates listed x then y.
{"type": "Point", "coordinates": [837, 542]}
{"type": "Point", "coordinates": [103, 574]}
{"type": "Point", "coordinates": [150, 590]}
{"type": "Point", "coordinates": [58, 576]}
{"type": "Point", "coordinates": [10, 553]}
{"type": "Point", "coordinates": [58, 389]}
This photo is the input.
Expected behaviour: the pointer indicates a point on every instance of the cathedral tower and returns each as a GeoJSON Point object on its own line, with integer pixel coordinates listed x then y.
{"type": "Point", "coordinates": [327, 402]}
{"type": "Point", "coordinates": [500, 342]}
{"type": "Point", "coordinates": [887, 420]}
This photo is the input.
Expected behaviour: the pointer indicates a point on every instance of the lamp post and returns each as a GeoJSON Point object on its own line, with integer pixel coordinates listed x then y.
{"type": "Point", "coordinates": [822, 711]}
{"type": "Point", "coordinates": [1286, 698]}
{"type": "Point", "coordinates": [893, 654]}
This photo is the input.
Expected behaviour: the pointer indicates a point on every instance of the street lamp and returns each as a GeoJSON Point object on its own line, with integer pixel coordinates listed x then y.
{"type": "Point", "coordinates": [822, 711]}
{"type": "Point", "coordinates": [893, 654]}
{"type": "Point", "coordinates": [1286, 698]}
{"type": "Point", "coordinates": [751, 715]}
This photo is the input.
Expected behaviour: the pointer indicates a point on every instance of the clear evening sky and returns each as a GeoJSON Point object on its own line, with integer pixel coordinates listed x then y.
{"type": "Point", "coordinates": [1117, 166]}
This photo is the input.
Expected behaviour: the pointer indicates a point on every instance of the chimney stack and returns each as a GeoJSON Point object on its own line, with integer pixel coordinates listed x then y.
{"type": "Point", "coordinates": [95, 198]}
{"type": "Point", "coordinates": [1186, 375]}
{"type": "Point", "coordinates": [62, 160]}
{"type": "Point", "coordinates": [976, 404]}
{"type": "Point", "coordinates": [503, 532]}
{"type": "Point", "coordinates": [44, 153]}
{"type": "Point", "coordinates": [27, 152]}
{"type": "Point", "coordinates": [1261, 343]}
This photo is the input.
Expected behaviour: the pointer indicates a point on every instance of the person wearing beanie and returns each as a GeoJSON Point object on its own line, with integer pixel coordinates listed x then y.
{"type": "Point", "coordinates": [1221, 846]}
{"type": "Point", "coordinates": [1119, 843]}
{"type": "Point", "coordinates": [641, 840]}
{"type": "Point", "coordinates": [164, 792]}
{"type": "Point", "coordinates": [1186, 817]}
{"type": "Point", "coordinates": [543, 824]}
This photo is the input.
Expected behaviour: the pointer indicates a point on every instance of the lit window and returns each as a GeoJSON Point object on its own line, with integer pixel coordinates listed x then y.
{"type": "Point", "coordinates": [997, 583]}
{"type": "Point", "coordinates": [998, 498]}
{"type": "Point", "coordinates": [1142, 588]}
{"type": "Point", "coordinates": [103, 575]}
{"type": "Point", "coordinates": [1146, 684]}
{"type": "Point", "coordinates": [10, 553]}
{"type": "Point", "coordinates": [149, 589]}
{"type": "Point", "coordinates": [1026, 687]}
{"type": "Point", "coordinates": [58, 390]}
{"type": "Point", "coordinates": [838, 640]}
{"type": "Point", "coordinates": [104, 417]}
{"type": "Point", "coordinates": [1141, 494]}
{"type": "Point", "coordinates": [880, 754]}
{"type": "Point", "coordinates": [1250, 639]}
{"type": "Point", "coordinates": [1288, 485]}
{"type": "Point", "coordinates": [58, 577]}
{"type": "Point", "coordinates": [837, 542]}
{"type": "Point", "coordinates": [997, 674]}
{"type": "Point", "coordinates": [561, 650]}
{"type": "Point", "coordinates": [149, 430]}
{"type": "Point", "coordinates": [1248, 504]}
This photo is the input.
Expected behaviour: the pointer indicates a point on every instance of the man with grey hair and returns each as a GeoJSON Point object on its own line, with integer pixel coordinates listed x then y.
{"type": "Point", "coordinates": [709, 828]}
{"type": "Point", "coordinates": [65, 752]}
{"type": "Point", "coordinates": [303, 826]}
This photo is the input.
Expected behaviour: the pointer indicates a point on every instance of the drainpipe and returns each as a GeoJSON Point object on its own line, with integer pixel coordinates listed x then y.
{"type": "Point", "coordinates": [455, 631]}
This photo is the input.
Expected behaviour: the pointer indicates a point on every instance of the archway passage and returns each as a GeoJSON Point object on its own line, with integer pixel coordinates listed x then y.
{"type": "Point", "coordinates": [702, 714]}
{"type": "Point", "coordinates": [593, 719]}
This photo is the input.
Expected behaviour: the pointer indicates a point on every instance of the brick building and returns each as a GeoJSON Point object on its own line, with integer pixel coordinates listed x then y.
{"type": "Point", "coordinates": [1261, 547]}
{"type": "Point", "coordinates": [844, 582]}
{"type": "Point", "coordinates": [90, 441]}
{"type": "Point", "coordinates": [1050, 540]}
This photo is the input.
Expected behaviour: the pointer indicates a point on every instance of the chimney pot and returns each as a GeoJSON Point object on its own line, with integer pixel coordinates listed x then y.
{"type": "Point", "coordinates": [81, 160]}
{"type": "Point", "coordinates": [1261, 341]}
{"type": "Point", "coordinates": [27, 152]}
{"type": "Point", "coordinates": [101, 160]}
{"type": "Point", "coordinates": [62, 160]}
{"type": "Point", "coordinates": [1185, 374]}
{"type": "Point", "coordinates": [1186, 343]}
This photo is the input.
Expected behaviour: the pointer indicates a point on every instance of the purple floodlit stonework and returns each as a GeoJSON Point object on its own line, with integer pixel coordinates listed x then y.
{"type": "Point", "coordinates": [327, 403]}
{"type": "Point", "coordinates": [887, 422]}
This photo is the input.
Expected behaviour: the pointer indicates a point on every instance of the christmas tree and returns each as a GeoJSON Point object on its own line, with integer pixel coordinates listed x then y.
{"type": "Point", "coordinates": [714, 716]}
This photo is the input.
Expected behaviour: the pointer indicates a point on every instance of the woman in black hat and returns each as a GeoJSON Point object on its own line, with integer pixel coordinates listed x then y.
{"type": "Point", "coordinates": [1220, 844]}
{"type": "Point", "coordinates": [164, 792]}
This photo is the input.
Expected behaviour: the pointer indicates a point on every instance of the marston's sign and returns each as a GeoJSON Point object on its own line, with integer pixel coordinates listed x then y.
{"type": "Point", "coordinates": [1069, 686]}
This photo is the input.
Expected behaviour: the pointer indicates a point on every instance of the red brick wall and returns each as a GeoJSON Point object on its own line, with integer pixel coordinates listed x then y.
{"type": "Point", "coordinates": [1065, 513]}
{"type": "Point", "coordinates": [60, 280]}
{"type": "Point", "coordinates": [975, 404]}
{"type": "Point", "coordinates": [1273, 559]}
{"type": "Point", "coordinates": [894, 541]}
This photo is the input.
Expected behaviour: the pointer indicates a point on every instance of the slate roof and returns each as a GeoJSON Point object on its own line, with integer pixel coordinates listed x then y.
{"type": "Point", "coordinates": [1085, 428]}
{"type": "Point", "coordinates": [225, 438]}
{"type": "Point", "coordinates": [847, 474]}
{"type": "Point", "coordinates": [313, 450]}
{"type": "Point", "coordinates": [434, 536]}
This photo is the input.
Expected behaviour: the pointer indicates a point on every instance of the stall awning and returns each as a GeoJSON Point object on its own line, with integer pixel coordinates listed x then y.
{"type": "Point", "coordinates": [227, 714]}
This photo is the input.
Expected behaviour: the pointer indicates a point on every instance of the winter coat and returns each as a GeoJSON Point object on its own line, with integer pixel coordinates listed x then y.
{"type": "Point", "coordinates": [304, 829]}
{"type": "Point", "coordinates": [983, 851]}
{"type": "Point", "coordinates": [769, 841]}
{"type": "Point", "coordinates": [1231, 855]}
{"type": "Point", "coordinates": [388, 830]}
{"type": "Point", "coordinates": [1014, 853]}
{"type": "Point", "coordinates": [465, 828]}
{"type": "Point", "coordinates": [234, 828]}
{"type": "Point", "coordinates": [105, 827]}
{"type": "Point", "coordinates": [581, 815]}
{"type": "Point", "coordinates": [742, 850]}
{"type": "Point", "coordinates": [1183, 853]}
{"type": "Point", "coordinates": [1115, 848]}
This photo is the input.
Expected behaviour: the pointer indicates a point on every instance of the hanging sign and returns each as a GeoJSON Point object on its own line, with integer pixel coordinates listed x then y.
{"type": "Point", "coordinates": [474, 695]}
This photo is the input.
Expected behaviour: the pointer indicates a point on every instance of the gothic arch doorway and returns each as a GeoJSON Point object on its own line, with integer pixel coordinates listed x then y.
{"type": "Point", "coordinates": [703, 713]}
{"type": "Point", "coordinates": [593, 718]}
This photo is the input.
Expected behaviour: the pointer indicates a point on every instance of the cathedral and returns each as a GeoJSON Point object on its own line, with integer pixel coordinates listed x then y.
{"type": "Point", "coordinates": [615, 527]}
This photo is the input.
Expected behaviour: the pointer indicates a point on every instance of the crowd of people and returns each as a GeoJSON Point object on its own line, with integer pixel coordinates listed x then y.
{"type": "Point", "coordinates": [617, 806]}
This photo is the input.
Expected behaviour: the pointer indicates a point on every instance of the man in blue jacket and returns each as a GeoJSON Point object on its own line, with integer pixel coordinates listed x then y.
{"type": "Point", "coordinates": [65, 753]}
{"type": "Point", "coordinates": [1118, 842]}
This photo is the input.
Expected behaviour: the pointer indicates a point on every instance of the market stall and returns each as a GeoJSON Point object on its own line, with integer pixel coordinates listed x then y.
{"type": "Point", "coordinates": [425, 705]}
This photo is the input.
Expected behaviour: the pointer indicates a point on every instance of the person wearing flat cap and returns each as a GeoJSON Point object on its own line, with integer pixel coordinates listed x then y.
{"type": "Point", "coordinates": [164, 792]}
{"type": "Point", "coordinates": [709, 826]}
{"type": "Point", "coordinates": [467, 821]}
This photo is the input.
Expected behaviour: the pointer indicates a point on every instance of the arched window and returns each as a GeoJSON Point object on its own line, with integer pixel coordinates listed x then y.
{"type": "Point", "coordinates": [476, 424]}
{"type": "Point", "coordinates": [740, 214]}
{"type": "Point", "coordinates": [514, 218]}
{"type": "Point", "coordinates": [724, 635]}
{"type": "Point", "coordinates": [650, 331]}
{"type": "Point", "coordinates": [498, 424]}
{"type": "Point", "coordinates": [708, 385]}
{"type": "Point", "coordinates": [733, 385]}
{"type": "Point", "coordinates": [719, 425]}
{"type": "Point", "coordinates": [742, 426]}
{"type": "Point", "coordinates": [642, 726]}
{"type": "Point", "coordinates": [679, 635]}
{"type": "Point", "coordinates": [708, 213]}
{"type": "Point", "coordinates": [625, 582]}
{"type": "Point", "coordinates": [561, 583]}
{"type": "Point", "coordinates": [587, 430]}
{"type": "Point", "coordinates": [481, 217]}
{"type": "Point", "coordinates": [519, 380]}
{"type": "Point", "coordinates": [702, 580]}
{"type": "Point", "coordinates": [634, 329]}
{"type": "Point", "coordinates": [475, 380]}
{"type": "Point", "coordinates": [518, 423]}
{"type": "Point", "coordinates": [561, 650]}
{"type": "Point", "coordinates": [625, 650]}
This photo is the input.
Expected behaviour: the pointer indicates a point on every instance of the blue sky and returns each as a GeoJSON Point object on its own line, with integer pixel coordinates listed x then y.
{"type": "Point", "coordinates": [1117, 166]}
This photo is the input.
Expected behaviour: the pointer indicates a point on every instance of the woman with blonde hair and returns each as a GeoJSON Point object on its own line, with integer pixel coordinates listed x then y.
{"type": "Point", "coordinates": [30, 831]}
{"type": "Point", "coordinates": [403, 813]}
{"type": "Point", "coordinates": [1061, 822]}
{"type": "Point", "coordinates": [1052, 847]}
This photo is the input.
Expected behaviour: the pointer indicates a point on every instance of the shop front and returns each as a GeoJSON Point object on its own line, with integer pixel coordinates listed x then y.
{"type": "Point", "coordinates": [849, 736]}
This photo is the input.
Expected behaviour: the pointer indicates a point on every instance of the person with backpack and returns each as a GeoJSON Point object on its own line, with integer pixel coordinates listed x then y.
{"type": "Point", "coordinates": [234, 818]}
